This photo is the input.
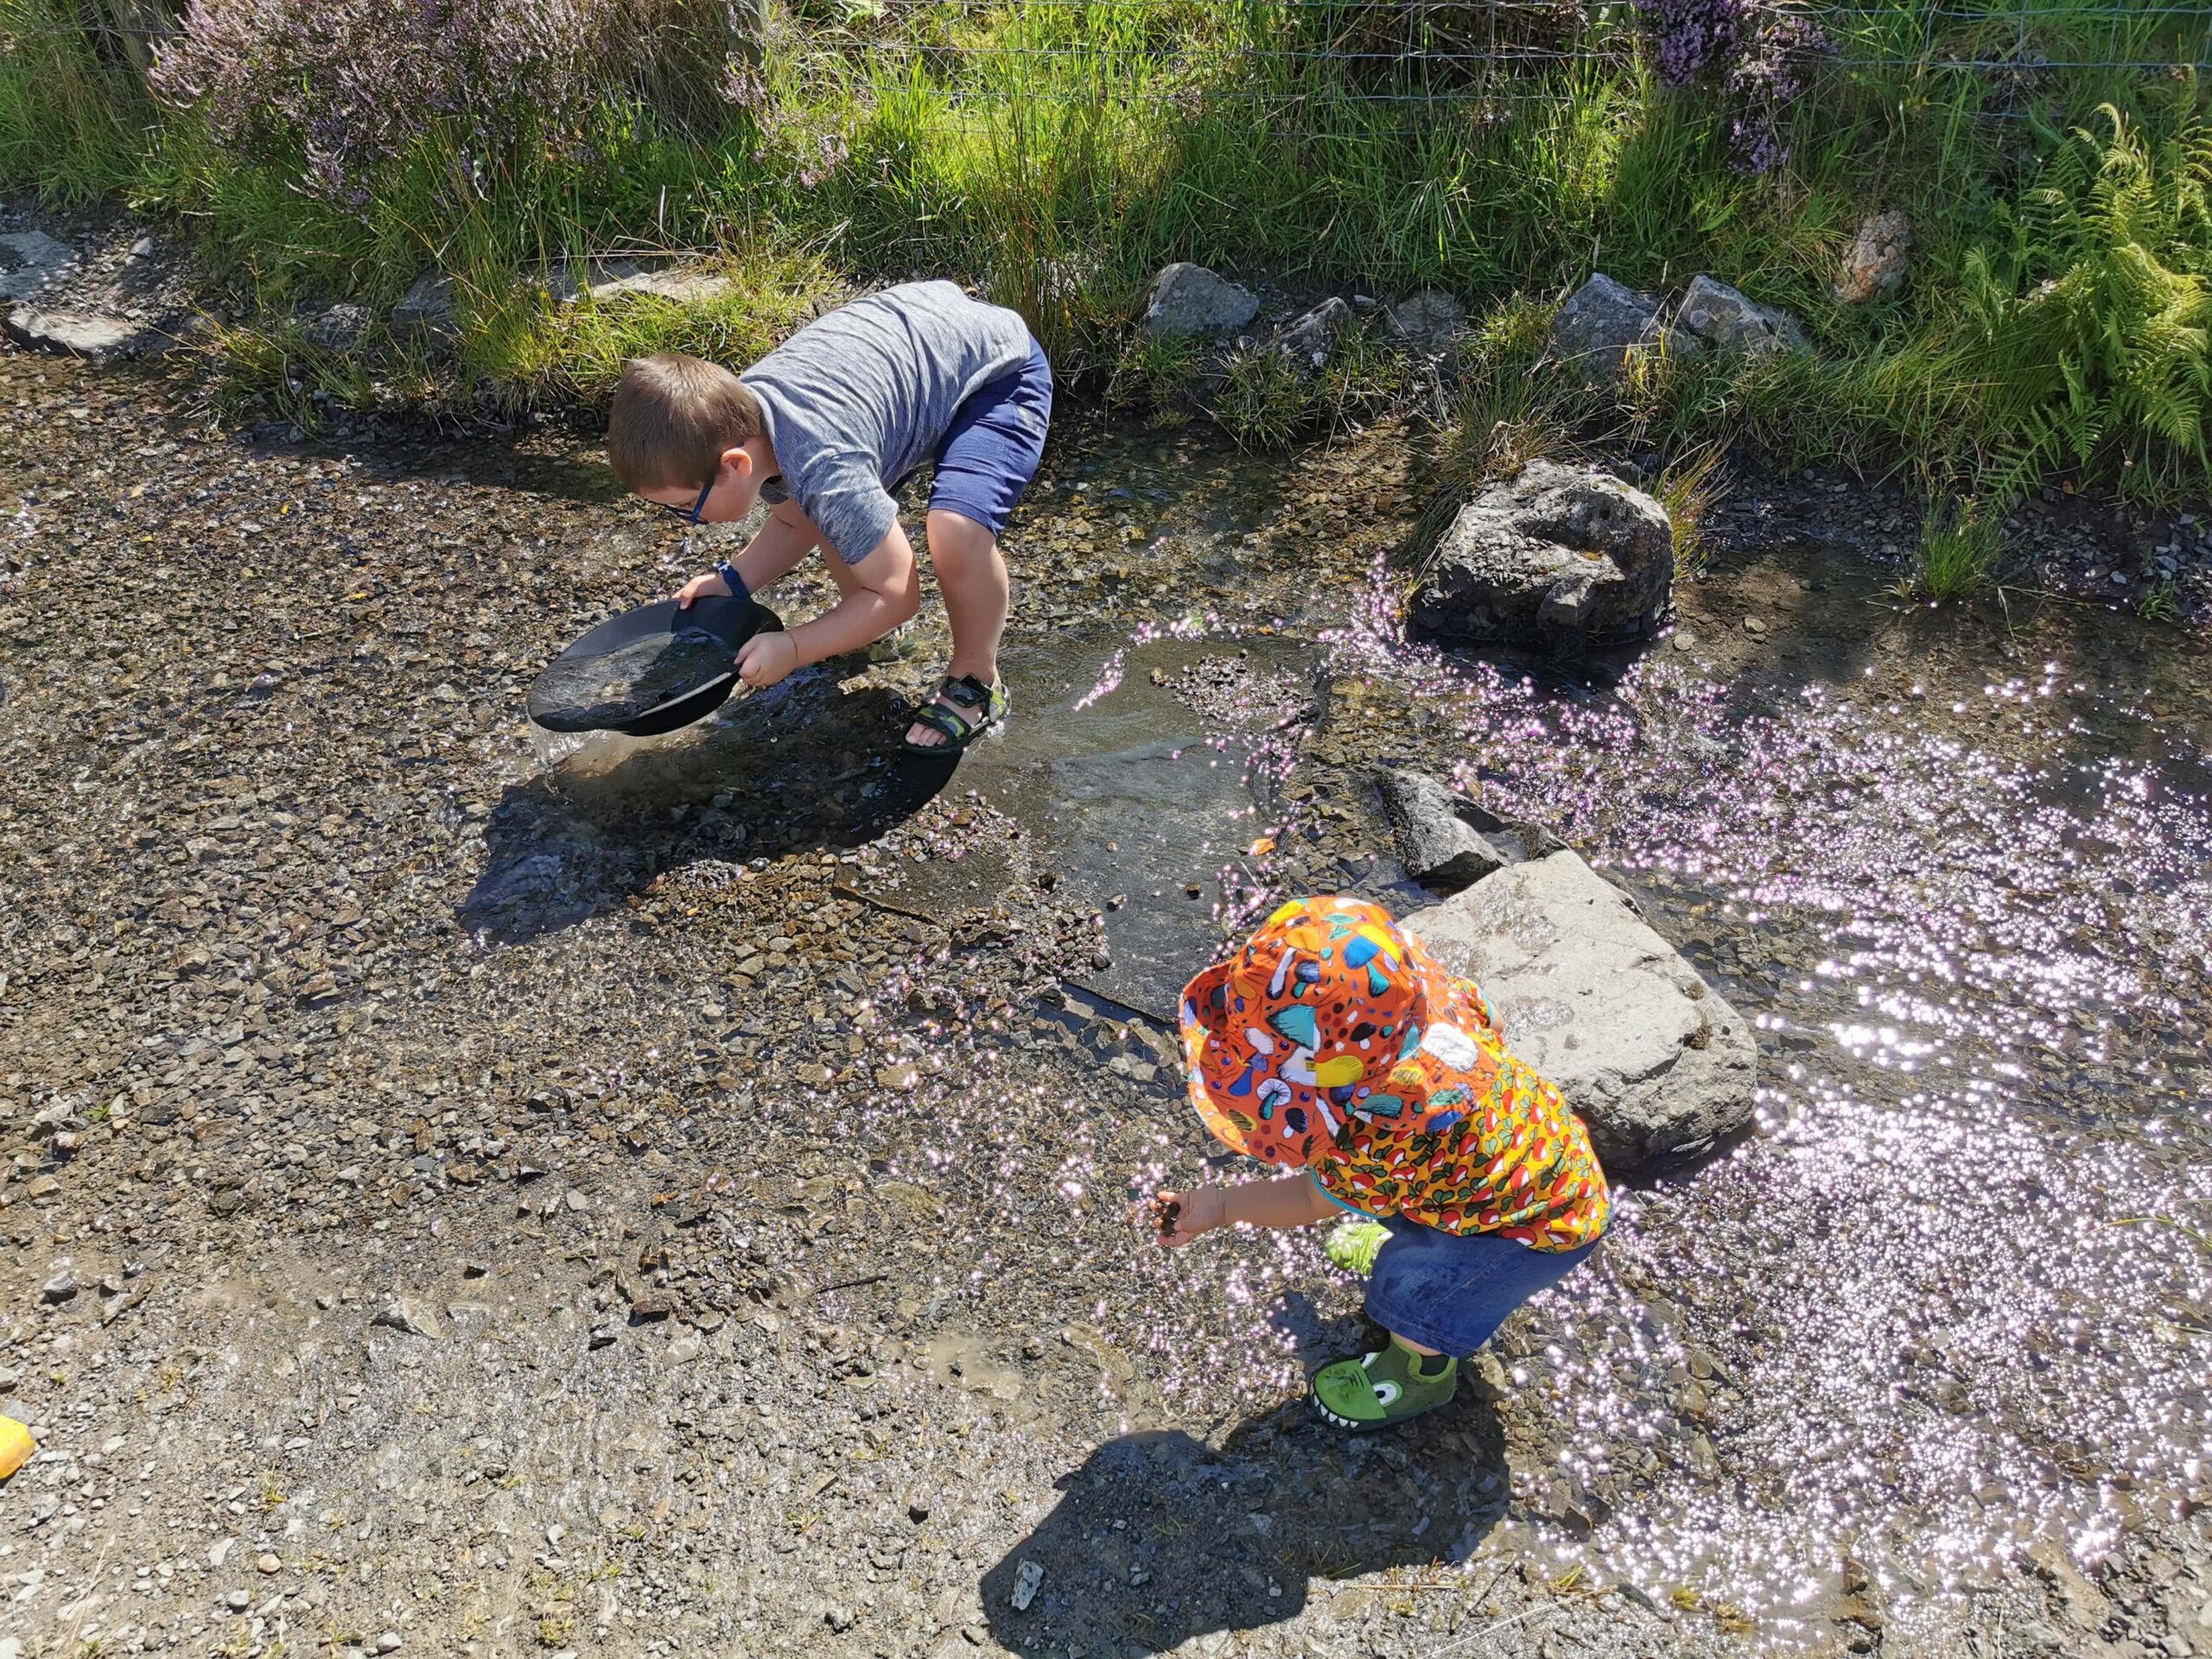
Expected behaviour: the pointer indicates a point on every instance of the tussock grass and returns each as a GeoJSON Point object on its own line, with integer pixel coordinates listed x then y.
{"type": "Point", "coordinates": [1960, 541]}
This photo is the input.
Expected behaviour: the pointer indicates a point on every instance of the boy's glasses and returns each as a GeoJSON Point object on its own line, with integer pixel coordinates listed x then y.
{"type": "Point", "coordinates": [690, 515]}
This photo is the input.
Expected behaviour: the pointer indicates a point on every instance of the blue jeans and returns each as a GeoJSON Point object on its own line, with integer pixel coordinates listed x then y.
{"type": "Point", "coordinates": [1451, 1291]}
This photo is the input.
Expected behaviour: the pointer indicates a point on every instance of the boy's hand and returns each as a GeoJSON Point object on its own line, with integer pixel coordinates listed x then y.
{"type": "Point", "coordinates": [765, 658]}
{"type": "Point", "coordinates": [1181, 1217]}
{"type": "Point", "coordinates": [701, 587]}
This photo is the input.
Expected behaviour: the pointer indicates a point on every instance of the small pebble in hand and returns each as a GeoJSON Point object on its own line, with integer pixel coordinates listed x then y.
{"type": "Point", "coordinates": [1166, 1212]}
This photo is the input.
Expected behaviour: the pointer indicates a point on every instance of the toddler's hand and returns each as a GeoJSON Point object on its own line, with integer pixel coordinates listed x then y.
{"type": "Point", "coordinates": [765, 658]}
{"type": "Point", "coordinates": [700, 587]}
{"type": "Point", "coordinates": [1181, 1217]}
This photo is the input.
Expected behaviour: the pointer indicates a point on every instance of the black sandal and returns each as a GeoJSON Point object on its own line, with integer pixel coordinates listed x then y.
{"type": "Point", "coordinates": [976, 708]}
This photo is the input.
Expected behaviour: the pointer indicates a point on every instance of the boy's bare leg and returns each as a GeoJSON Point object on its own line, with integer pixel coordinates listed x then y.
{"type": "Point", "coordinates": [972, 577]}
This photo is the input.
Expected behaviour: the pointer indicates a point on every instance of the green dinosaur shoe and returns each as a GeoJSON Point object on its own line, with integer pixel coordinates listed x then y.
{"type": "Point", "coordinates": [1352, 1244]}
{"type": "Point", "coordinates": [1384, 1389]}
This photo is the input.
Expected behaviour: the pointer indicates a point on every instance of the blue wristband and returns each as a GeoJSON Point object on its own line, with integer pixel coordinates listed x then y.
{"type": "Point", "coordinates": [728, 572]}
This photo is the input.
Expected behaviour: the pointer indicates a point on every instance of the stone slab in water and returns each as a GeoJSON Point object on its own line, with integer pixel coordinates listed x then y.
{"type": "Point", "coordinates": [1438, 847]}
{"type": "Point", "coordinates": [1561, 557]}
{"type": "Point", "coordinates": [1652, 1058]}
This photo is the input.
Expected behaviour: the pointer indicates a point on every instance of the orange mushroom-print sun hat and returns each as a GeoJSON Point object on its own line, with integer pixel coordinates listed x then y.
{"type": "Point", "coordinates": [1332, 1040]}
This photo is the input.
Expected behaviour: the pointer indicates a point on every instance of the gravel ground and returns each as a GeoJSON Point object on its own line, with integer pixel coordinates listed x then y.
{"type": "Point", "coordinates": [678, 1201]}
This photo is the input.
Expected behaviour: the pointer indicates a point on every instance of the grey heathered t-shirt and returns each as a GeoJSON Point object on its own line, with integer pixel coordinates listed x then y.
{"type": "Point", "coordinates": [858, 399]}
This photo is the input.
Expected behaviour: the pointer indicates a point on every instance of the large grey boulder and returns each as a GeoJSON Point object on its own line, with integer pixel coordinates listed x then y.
{"type": "Point", "coordinates": [1559, 557]}
{"type": "Point", "coordinates": [1186, 300]}
{"type": "Point", "coordinates": [1728, 322]}
{"type": "Point", "coordinates": [1440, 848]}
{"type": "Point", "coordinates": [1606, 325]}
{"type": "Point", "coordinates": [1648, 1054]}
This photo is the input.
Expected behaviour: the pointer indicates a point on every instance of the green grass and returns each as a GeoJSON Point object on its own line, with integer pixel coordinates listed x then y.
{"type": "Point", "coordinates": [1959, 542]}
{"type": "Point", "coordinates": [1055, 154]}
{"type": "Point", "coordinates": [72, 124]}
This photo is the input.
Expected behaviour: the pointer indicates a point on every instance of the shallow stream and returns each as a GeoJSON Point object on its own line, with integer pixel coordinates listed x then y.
{"type": "Point", "coordinates": [1955, 1298]}
{"type": "Point", "coordinates": [1950, 1306]}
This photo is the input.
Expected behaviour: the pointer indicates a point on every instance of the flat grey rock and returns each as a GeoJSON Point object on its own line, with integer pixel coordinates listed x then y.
{"type": "Point", "coordinates": [605, 280]}
{"type": "Point", "coordinates": [1650, 1057]}
{"type": "Point", "coordinates": [1427, 321]}
{"type": "Point", "coordinates": [1186, 300]}
{"type": "Point", "coordinates": [337, 328]}
{"type": "Point", "coordinates": [1729, 321]}
{"type": "Point", "coordinates": [93, 335]}
{"type": "Point", "coordinates": [1438, 848]}
{"type": "Point", "coordinates": [1560, 556]}
{"type": "Point", "coordinates": [29, 261]}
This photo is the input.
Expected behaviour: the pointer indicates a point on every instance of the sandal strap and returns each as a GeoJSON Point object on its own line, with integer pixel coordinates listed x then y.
{"type": "Point", "coordinates": [946, 721]}
{"type": "Point", "coordinates": [967, 691]}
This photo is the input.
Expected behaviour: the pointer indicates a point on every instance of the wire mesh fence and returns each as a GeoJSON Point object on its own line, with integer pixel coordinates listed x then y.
{"type": "Point", "coordinates": [1404, 60]}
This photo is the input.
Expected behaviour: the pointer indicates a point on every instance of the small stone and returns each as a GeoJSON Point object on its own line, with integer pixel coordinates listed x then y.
{"type": "Point", "coordinates": [219, 1551]}
{"type": "Point", "coordinates": [426, 308]}
{"type": "Point", "coordinates": [43, 1187]}
{"type": "Point", "coordinates": [61, 1287]}
{"type": "Point", "coordinates": [918, 1509]}
{"type": "Point", "coordinates": [837, 1617]}
{"type": "Point", "coordinates": [143, 248]}
{"type": "Point", "coordinates": [576, 1201]}
{"type": "Point", "coordinates": [389, 1642]}
{"type": "Point", "coordinates": [1027, 1575]}
{"type": "Point", "coordinates": [1729, 321]}
{"type": "Point", "coordinates": [1878, 260]}
{"type": "Point", "coordinates": [683, 1350]}
{"type": "Point", "coordinates": [408, 1315]}
{"type": "Point", "coordinates": [268, 1563]}
{"type": "Point", "coordinates": [900, 1077]}
{"type": "Point", "coordinates": [238, 1601]}
{"type": "Point", "coordinates": [1753, 626]}
{"type": "Point", "coordinates": [475, 1269]}
{"type": "Point", "coordinates": [1685, 640]}
{"type": "Point", "coordinates": [603, 1336]}
{"type": "Point", "coordinates": [338, 328]}
{"type": "Point", "coordinates": [1427, 321]}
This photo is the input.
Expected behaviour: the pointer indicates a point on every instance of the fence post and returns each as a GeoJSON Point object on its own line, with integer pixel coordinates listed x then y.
{"type": "Point", "coordinates": [130, 29]}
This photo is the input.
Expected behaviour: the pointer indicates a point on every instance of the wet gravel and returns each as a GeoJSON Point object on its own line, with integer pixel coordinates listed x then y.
{"type": "Point", "coordinates": [686, 1198]}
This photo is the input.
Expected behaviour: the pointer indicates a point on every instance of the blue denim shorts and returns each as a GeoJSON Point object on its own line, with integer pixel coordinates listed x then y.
{"type": "Point", "coordinates": [996, 440]}
{"type": "Point", "coordinates": [1451, 1291]}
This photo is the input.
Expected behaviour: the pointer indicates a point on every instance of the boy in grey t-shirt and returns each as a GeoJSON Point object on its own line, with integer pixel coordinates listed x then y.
{"type": "Point", "coordinates": [826, 426]}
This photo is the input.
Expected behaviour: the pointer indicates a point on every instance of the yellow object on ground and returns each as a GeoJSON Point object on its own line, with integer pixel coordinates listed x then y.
{"type": "Point", "coordinates": [15, 1446]}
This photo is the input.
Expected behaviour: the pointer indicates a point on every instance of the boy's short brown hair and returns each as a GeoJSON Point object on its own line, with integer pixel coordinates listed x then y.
{"type": "Point", "coordinates": [672, 417]}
